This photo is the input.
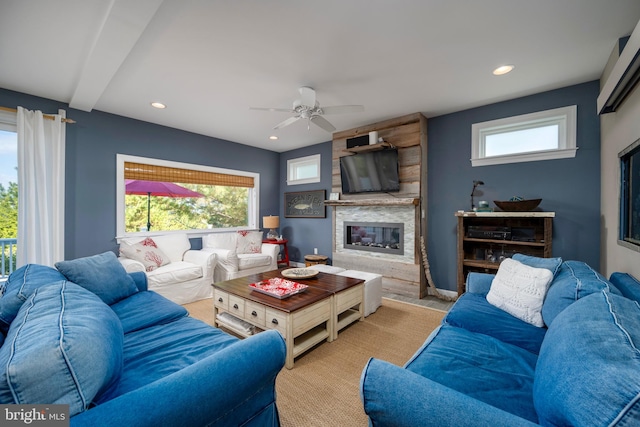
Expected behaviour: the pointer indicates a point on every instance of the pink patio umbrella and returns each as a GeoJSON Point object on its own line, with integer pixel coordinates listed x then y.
{"type": "Point", "coordinates": [157, 188]}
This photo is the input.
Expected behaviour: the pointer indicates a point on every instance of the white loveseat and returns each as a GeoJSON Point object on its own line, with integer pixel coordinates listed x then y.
{"type": "Point", "coordinates": [173, 269]}
{"type": "Point", "coordinates": [240, 254]}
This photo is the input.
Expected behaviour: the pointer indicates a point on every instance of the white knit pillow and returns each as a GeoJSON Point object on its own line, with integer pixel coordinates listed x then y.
{"type": "Point", "coordinates": [520, 290]}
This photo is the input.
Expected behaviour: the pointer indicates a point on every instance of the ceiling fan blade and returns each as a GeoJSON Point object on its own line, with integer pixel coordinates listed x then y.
{"type": "Point", "coordinates": [287, 122]}
{"type": "Point", "coordinates": [283, 110]}
{"type": "Point", "coordinates": [323, 123]}
{"type": "Point", "coordinates": [343, 109]}
{"type": "Point", "coordinates": [307, 96]}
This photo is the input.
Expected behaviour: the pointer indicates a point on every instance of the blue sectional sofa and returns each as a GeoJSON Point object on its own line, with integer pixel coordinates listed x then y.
{"type": "Point", "coordinates": [486, 367]}
{"type": "Point", "coordinates": [90, 336]}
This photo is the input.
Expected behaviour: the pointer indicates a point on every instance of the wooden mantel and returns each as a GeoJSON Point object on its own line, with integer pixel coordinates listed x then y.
{"type": "Point", "coordinates": [404, 201]}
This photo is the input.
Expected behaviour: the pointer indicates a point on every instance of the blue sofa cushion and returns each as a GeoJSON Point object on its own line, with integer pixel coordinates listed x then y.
{"type": "Point", "coordinates": [474, 313]}
{"type": "Point", "coordinates": [140, 279]}
{"type": "Point", "coordinates": [481, 367]}
{"type": "Point", "coordinates": [397, 397]}
{"type": "Point", "coordinates": [574, 280]}
{"type": "Point", "coordinates": [155, 352]}
{"type": "Point", "coordinates": [19, 286]}
{"type": "Point", "coordinates": [479, 283]}
{"type": "Point", "coordinates": [145, 309]}
{"type": "Point", "coordinates": [65, 346]}
{"type": "Point", "coordinates": [101, 274]}
{"type": "Point", "coordinates": [588, 372]}
{"type": "Point", "coordinates": [628, 285]}
{"type": "Point", "coordinates": [551, 264]}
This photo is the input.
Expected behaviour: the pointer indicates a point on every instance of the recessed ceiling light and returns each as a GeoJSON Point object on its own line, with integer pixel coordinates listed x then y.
{"type": "Point", "coordinates": [503, 69]}
{"type": "Point", "coordinates": [273, 137]}
{"type": "Point", "coordinates": [159, 105]}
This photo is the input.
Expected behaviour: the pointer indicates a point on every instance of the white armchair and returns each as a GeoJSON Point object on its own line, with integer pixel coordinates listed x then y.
{"type": "Point", "coordinates": [240, 254]}
{"type": "Point", "coordinates": [173, 269]}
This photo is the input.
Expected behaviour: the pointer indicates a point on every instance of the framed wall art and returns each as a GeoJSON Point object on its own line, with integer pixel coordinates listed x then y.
{"type": "Point", "coordinates": [304, 204]}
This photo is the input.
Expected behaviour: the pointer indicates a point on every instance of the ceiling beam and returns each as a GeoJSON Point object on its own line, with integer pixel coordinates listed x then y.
{"type": "Point", "coordinates": [122, 27]}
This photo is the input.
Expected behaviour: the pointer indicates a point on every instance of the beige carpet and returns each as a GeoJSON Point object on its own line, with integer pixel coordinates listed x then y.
{"type": "Point", "coordinates": [323, 387]}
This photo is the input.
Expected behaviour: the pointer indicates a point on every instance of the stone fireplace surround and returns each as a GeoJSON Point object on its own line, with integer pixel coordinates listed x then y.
{"type": "Point", "coordinates": [400, 272]}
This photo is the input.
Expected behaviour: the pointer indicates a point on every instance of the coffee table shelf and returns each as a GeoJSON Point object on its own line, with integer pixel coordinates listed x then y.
{"type": "Point", "coordinates": [347, 317]}
{"type": "Point", "coordinates": [231, 328]}
{"type": "Point", "coordinates": [308, 339]}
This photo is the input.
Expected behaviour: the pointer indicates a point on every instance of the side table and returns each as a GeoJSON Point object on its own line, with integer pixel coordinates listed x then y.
{"type": "Point", "coordinates": [310, 260]}
{"type": "Point", "coordinates": [285, 252]}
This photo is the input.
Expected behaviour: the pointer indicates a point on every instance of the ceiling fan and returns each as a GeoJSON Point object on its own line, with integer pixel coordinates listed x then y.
{"type": "Point", "coordinates": [307, 107]}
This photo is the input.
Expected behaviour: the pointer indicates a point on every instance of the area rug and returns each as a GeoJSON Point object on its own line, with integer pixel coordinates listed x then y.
{"type": "Point", "coordinates": [323, 387]}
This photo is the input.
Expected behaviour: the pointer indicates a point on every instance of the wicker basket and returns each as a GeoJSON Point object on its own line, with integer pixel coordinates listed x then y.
{"type": "Point", "coordinates": [518, 206]}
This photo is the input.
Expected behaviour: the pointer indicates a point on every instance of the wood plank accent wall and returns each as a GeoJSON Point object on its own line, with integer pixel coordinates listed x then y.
{"type": "Point", "coordinates": [409, 134]}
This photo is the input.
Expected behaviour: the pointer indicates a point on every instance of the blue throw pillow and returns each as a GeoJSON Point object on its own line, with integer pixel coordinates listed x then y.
{"type": "Point", "coordinates": [574, 280]}
{"type": "Point", "coordinates": [101, 274]}
{"type": "Point", "coordinates": [588, 372]}
{"type": "Point", "coordinates": [19, 286]}
{"type": "Point", "coordinates": [551, 264]}
{"type": "Point", "coordinates": [628, 285]}
{"type": "Point", "coordinates": [65, 346]}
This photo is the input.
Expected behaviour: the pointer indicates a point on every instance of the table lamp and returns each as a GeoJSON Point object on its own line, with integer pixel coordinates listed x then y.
{"type": "Point", "coordinates": [475, 184]}
{"type": "Point", "coordinates": [271, 222]}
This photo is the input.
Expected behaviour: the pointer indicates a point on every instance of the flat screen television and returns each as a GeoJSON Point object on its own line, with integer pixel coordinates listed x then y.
{"type": "Point", "coordinates": [370, 172]}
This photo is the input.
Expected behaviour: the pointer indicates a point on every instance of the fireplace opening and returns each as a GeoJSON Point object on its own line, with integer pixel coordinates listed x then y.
{"type": "Point", "coordinates": [374, 237]}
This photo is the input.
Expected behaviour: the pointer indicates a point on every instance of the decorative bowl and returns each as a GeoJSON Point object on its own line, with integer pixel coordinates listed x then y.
{"type": "Point", "coordinates": [299, 273]}
{"type": "Point", "coordinates": [517, 205]}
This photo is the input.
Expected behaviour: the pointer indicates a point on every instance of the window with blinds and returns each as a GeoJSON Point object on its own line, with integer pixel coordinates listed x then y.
{"type": "Point", "coordinates": [158, 195]}
{"type": "Point", "coordinates": [148, 172]}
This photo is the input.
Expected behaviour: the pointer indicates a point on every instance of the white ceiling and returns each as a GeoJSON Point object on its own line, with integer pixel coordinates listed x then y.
{"type": "Point", "coordinates": [210, 60]}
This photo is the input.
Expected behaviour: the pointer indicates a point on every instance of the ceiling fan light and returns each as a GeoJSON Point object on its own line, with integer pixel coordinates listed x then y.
{"type": "Point", "coordinates": [503, 69]}
{"type": "Point", "coordinates": [308, 108]}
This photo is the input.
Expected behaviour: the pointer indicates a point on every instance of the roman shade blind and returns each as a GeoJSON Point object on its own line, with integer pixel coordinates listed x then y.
{"type": "Point", "coordinates": [148, 172]}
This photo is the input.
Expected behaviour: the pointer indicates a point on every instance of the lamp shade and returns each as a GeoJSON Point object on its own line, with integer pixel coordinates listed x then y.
{"type": "Point", "coordinates": [271, 221]}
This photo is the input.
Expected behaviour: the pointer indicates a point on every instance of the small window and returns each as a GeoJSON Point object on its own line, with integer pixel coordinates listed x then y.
{"type": "Point", "coordinates": [544, 135]}
{"type": "Point", "coordinates": [303, 170]}
{"type": "Point", "coordinates": [630, 196]}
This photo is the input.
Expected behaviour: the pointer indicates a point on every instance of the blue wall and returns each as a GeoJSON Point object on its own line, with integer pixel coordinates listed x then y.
{"type": "Point", "coordinates": [91, 147]}
{"type": "Point", "coordinates": [569, 187]}
{"type": "Point", "coordinates": [304, 234]}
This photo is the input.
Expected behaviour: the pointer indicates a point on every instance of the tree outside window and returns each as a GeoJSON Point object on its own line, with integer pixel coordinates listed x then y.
{"type": "Point", "coordinates": [8, 199]}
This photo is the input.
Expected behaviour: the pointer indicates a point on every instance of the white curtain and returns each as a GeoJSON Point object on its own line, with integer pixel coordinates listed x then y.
{"type": "Point", "coordinates": [41, 148]}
